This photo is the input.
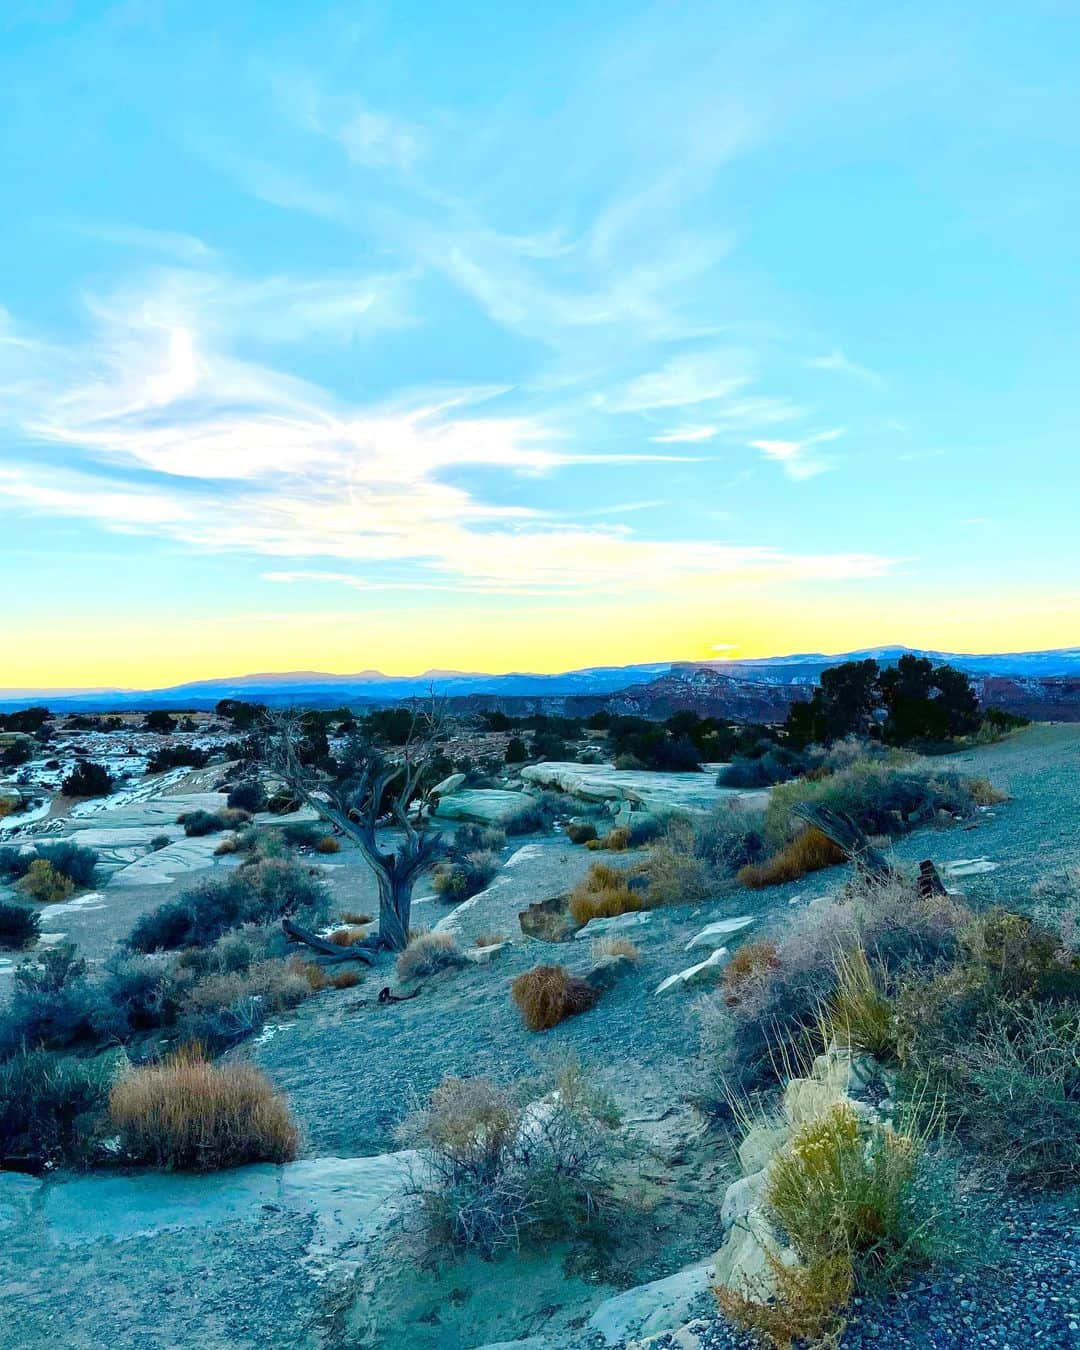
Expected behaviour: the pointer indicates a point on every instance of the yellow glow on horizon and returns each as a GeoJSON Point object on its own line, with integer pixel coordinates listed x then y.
{"type": "Point", "coordinates": [549, 637]}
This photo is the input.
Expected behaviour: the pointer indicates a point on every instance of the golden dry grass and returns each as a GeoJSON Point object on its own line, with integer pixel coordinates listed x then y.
{"type": "Point", "coordinates": [328, 844]}
{"type": "Point", "coordinates": [615, 946]}
{"type": "Point", "coordinates": [603, 894]}
{"type": "Point", "coordinates": [489, 939]}
{"type": "Point", "coordinates": [353, 917]}
{"type": "Point", "coordinates": [984, 793]}
{"type": "Point", "coordinates": [191, 1115]}
{"type": "Point", "coordinates": [807, 852]}
{"type": "Point", "coordinates": [548, 995]}
{"type": "Point", "coordinates": [346, 937]}
{"type": "Point", "coordinates": [345, 979]}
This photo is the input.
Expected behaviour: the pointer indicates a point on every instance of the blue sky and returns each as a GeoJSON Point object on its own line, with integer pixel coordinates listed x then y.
{"type": "Point", "coordinates": [336, 336]}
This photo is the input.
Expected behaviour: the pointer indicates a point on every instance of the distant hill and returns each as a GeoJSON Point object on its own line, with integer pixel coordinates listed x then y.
{"type": "Point", "coordinates": [1047, 683]}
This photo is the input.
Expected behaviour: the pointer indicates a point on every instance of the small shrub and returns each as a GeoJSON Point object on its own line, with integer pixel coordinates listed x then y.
{"type": "Point", "coordinates": [227, 846]}
{"type": "Point", "coordinates": [199, 823]}
{"type": "Point", "coordinates": [615, 946]}
{"type": "Point", "coordinates": [159, 842]}
{"type": "Point", "coordinates": [72, 860]}
{"type": "Point", "coordinates": [471, 838]}
{"type": "Point", "coordinates": [328, 844]}
{"type": "Point", "coordinates": [536, 815]}
{"type": "Point", "coordinates": [48, 1103]}
{"type": "Point", "coordinates": [354, 917]}
{"type": "Point", "coordinates": [857, 1015]}
{"type": "Point", "coordinates": [581, 831]}
{"type": "Point", "coordinates": [984, 793]}
{"type": "Point", "coordinates": [87, 779]}
{"type": "Point", "coordinates": [616, 840]}
{"type": "Point", "coordinates": [749, 966]}
{"type": "Point", "coordinates": [428, 953]}
{"type": "Point", "coordinates": [548, 995]}
{"type": "Point", "coordinates": [465, 877]}
{"type": "Point", "coordinates": [497, 1173]}
{"type": "Point", "coordinates": [43, 882]}
{"type": "Point", "coordinates": [807, 852]}
{"type": "Point", "coordinates": [345, 979]}
{"type": "Point", "coordinates": [249, 796]}
{"type": "Point", "coordinates": [19, 927]}
{"type": "Point", "coordinates": [489, 940]}
{"type": "Point", "coordinates": [676, 874]}
{"type": "Point", "coordinates": [190, 1115]}
{"type": "Point", "coordinates": [259, 892]}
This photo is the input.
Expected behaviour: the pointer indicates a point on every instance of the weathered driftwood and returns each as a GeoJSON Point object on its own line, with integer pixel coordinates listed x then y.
{"type": "Point", "coordinates": [329, 951]}
{"type": "Point", "coordinates": [846, 835]}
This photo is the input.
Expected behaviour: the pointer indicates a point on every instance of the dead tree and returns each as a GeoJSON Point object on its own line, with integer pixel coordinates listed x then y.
{"type": "Point", "coordinates": [373, 789]}
{"type": "Point", "coordinates": [839, 827]}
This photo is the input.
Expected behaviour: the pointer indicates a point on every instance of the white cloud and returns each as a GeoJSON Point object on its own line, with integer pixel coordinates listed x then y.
{"type": "Point", "coordinates": [686, 380]}
{"type": "Point", "coordinates": [686, 434]}
{"type": "Point", "coordinates": [797, 463]}
{"type": "Point", "coordinates": [839, 364]}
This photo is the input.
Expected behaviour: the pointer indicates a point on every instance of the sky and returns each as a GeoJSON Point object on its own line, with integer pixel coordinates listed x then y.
{"type": "Point", "coordinates": [529, 337]}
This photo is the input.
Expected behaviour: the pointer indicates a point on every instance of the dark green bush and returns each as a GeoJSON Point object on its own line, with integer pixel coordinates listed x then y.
{"type": "Point", "coordinates": [249, 796]}
{"type": "Point", "coordinates": [19, 926]}
{"type": "Point", "coordinates": [87, 780]}
{"type": "Point", "coordinates": [167, 757]}
{"type": "Point", "coordinates": [262, 892]}
{"type": "Point", "coordinates": [47, 1104]}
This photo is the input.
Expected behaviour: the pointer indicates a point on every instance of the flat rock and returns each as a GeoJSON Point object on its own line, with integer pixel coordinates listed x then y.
{"type": "Point", "coordinates": [618, 923]}
{"type": "Point", "coordinates": [482, 806]}
{"type": "Point", "coordinates": [705, 972]}
{"type": "Point", "coordinates": [448, 785]}
{"type": "Point", "coordinates": [722, 928]}
{"type": "Point", "coordinates": [662, 793]}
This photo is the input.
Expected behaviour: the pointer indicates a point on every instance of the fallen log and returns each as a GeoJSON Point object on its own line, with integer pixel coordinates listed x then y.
{"type": "Point", "coordinates": [846, 835]}
{"type": "Point", "coordinates": [329, 951]}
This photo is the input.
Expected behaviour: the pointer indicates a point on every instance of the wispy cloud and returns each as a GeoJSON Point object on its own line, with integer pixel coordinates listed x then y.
{"type": "Point", "coordinates": [797, 457]}
{"type": "Point", "coordinates": [837, 363]}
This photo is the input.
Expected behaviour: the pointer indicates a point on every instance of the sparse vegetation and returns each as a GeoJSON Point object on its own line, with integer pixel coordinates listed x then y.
{"type": "Point", "coordinates": [428, 953]}
{"type": "Point", "coordinates": [464, 876]}
{"type": "Point", "coordinates": [809, 851]}
{"type": "Point", "coordinates": [19, 927]}
{"type": "Point", "coordinates": [499, 1173]}
{"type": "Point", "coordinates": [42, 881]}
{"type": "Point", "coordinates": [548, 995]}
{"type": "Point", "coordinates": [87, 779]}
{"type": "Point", "coordinates": [190, 1115]}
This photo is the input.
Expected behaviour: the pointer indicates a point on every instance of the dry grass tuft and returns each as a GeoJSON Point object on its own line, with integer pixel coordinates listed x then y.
{"type": "Point", "coordinates": [615, 946]}
{"type": "Point", "coordinates": [806, 1307]}
{"type": "Point", "coordinates": [581, 831]}
{"type": "Point", "coordinates": [191, 1115]}
{"type": "Point", "coordinates": [310, 971]}
{"type": "Point", "coordinates": [615, 841]}
{"type": "Point", "coordinates": [351, 916]}
{"type": "Point", "coordinates": [857, 1015]}
{"type": "Point", "coordinates": [346, 937]}
{"type": "Point", "coordinates": [548, 995]}
{"type": "Point", "coordinates": [489, 939]}
{"type": "Point", "coordinates": [984, 793]}
{"type": "Point", "coordinates": [603, 894]}
{"type": "Point", "coordinates": [328, 844]}
{"type": "Point", "coordinates": [428, 953]}
{"type": "Point", "coordinates": [807, 852]}
{"type": "Point", "coordinates": [228, 845]}
{"type": "Point", "coordinates": [345, 979]}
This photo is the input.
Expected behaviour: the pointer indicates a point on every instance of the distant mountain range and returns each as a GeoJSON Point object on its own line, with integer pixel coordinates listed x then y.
{"type": "Point", "coordinates": [757, 689]}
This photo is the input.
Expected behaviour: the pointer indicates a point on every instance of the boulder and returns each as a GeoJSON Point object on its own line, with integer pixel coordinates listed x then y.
{"type": "Point", "coordinates": [704, 973]}
{"type": "Point", "coordinates": [721, 929]}
{"type": "Point", "coordinates": [762, 1140]}
{"type": "Point", "coordinates": [448, 785]}
{"type": "Point", "coordinates": [741, 1197]}
{"type": "Point", "coordinates": [652, 1309]}
{"type": "Point", "coordinates": [608, 971]}
{"type": "Point", "coordinates": [482, 806]}
{"type": "Point", "coordinates": [548, 920]}
{"type": "Point", "coordinates": [618, 923]}
{"type": "Point", "coordinates": [743, 1263]}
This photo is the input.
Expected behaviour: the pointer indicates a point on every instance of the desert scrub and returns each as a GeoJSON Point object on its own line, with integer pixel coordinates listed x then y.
{"type": "Point", "coordinates": [847, 1196]}
{"type": "Point", "coordinates": [465, 877]}
{"type": "Point", "coordinates": [347, 936]}
{"type": "Point", "coordinates": [256, 893]}
{"type": "Point", "coordinates": [328, 844]}
{"type": "Point", "coordinates": [187, 1114]}
{"type": "Point", "coordinates": [882, 799]}
{"type": "Point", "coordinates": [616, 840]}
{"type": "Point", "coordinates": [43, 882]}
{"type": "Point", "coordinates": [810, 851]}
{"type": "Point", "coordinates": [581, 831]}
{"type": "Point", "coordinates": [19, 927]}
{"type": "Point", "coordinates": [770, 1009]}
{"type": "Point", "coordinates": [548, 995]}
{"type": "Point", "coordinates": [428, 953]}
{"type": "Point", "coordinates": [498, 1172]}
{"type": "Point", "coordinates": [857, 1015]}
{"type": "Point", "coordinates": [49, 1105]}
{"type": "Point", "coordinates": [537, 814]}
